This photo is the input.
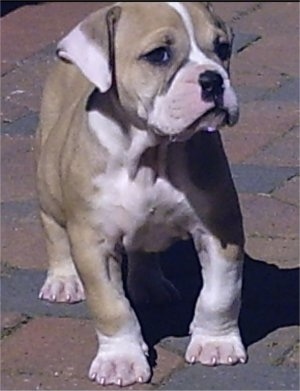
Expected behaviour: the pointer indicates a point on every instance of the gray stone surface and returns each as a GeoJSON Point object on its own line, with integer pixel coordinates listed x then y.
{"type": "Point", "coordinates": [19, 210]}
{"type": "Point", "coordinates": [251, 376]}
{"type": "Point", "coordinates": [20, 289]}
{"type": "Point", "coordinates": [261, 179]}
{"type": "Point", "coordinates": [288, 91]}
{"type": "Point", "coordinates": [266, 369]}
{"type": "Point", "coordinates": [24, 126]}
{"type": "Point", "coordinates": [243, 40]}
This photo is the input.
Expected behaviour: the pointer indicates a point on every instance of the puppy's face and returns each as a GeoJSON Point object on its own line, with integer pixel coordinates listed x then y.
{"type": "Point", "coordinates": [171, 64]}
{"type": "Point", "coordinates": [174, 74]}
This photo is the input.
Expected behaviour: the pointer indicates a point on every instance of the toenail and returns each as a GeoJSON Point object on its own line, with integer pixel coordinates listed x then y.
{"type": "Point", "coordinates": [214, 360]}
{"type": "Point", "coordinates": [102, 381]}
{"type": "Point", "coordinates": [93, 376]}
{"type": "Point", "coordinates": [193, 360]}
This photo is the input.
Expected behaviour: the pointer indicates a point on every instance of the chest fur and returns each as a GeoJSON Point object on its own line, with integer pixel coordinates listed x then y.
{"type": "Point", "coordinates": [151, 214]}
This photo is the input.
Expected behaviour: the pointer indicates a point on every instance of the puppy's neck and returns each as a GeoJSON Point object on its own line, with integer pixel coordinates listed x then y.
{"type": "Point", "coordinates": [129, 142]}
{"type": "Point", "coordinates": [109, 105]}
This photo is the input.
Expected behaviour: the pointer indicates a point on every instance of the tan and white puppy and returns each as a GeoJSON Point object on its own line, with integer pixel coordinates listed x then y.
{"type": "Point", "coordinates": [129, 159]}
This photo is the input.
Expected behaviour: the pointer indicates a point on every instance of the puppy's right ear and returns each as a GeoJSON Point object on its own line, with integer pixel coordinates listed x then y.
{"type": "Point", "coordinates": [89, 44]}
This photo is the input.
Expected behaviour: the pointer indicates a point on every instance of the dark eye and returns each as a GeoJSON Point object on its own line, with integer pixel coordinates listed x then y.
{"type": "Point", "coordinates": [223, 50]}
{"type": "Point", "coordinates": [159, 56]}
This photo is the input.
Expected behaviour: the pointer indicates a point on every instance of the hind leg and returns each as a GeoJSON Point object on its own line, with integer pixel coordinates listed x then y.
{"type": "Point", "coordinates": [62, 284]}
{"type": "Point", "coordinates": [146, 281]}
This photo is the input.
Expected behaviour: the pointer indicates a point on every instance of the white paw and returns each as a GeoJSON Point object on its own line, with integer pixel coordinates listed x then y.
{"type": "Point", "coordinates": [62, 289]}
{"type": "Point", "coordinates": [121, 364]}
{"type": "Point", "coordinates": [216, 350]}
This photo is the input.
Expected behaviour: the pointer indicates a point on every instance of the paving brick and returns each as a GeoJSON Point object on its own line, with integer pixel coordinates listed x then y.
{"type": "Point", "coordinates": [241, 145]}
{"type": "Point", "coordinates": [264, 369]}
{"type": "Point", "coordinates": [11, 320]}
{"type": "Point", "coordinates": [167, 362]}
{"type": "Point", "coordinates": [20, 289]}
{"type": "Point", "coordinates": [232, 11]}
{"type": "Point", "coordinates": [267, 117]}
{"type": "Point", "coordinates": [260, 20]}
{"type": "Point", "coordinates": [253, 79]}
{"type": "Point", "coordinates": [23, 244]}
{"type": "Point", "coordinates": [25, 126]}
{"type": "Point", "coordinates": [293, 356]}
{"type": "Point", "coordinates": [287, 92]}
{"type": "Point", "coordinates": [271, 66]}
{"type": "Point", "coordinates": [280, 251]}
{"type": "Point", "coordinates": [23, 241]}
{"type": "Point", "coordinates": [276, 31]}
{"type": "Point", "coordinates": [289, 191]}
{"type": "Point", "coordinates": [260, 125]}
{"type": "Point", "coordinates": [18, 168]}
{"type": "Point", "coordinates": [56, 353]}
{"type": "Point", "coordinates": [10, 111]}
{"type": "Point", "coordinates": [59, 349]}
{"type": "Point", "coordinates": [39, 32]}
{"type": "Point", "coordinates": [23, 86]}
{"type": "Point", "coordinates": [274, 347]}
{"type": "Point", "coordinates": [242, 41]}
{"type": "Point", "coordinates": [284, 151]}
{"type": "Point", "coordinates": [16, 211]}
{"type": "Point", "coordinates": [268, 217]}
{"type": "Point", "coordinates": [260, 179]}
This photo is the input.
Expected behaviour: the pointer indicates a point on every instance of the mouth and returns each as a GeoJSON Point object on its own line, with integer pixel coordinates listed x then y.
{"type": "Point", "coordinates": [215, 118]}
{"type": "Point", "coordinates": [211, 121]}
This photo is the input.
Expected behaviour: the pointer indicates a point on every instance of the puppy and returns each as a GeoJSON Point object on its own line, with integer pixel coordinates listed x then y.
{"type": "Point", "coordinates": [130, 159]}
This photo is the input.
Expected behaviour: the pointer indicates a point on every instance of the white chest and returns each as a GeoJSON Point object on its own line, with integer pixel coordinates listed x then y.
{"type": "Point", "coordinates": [149, 215]}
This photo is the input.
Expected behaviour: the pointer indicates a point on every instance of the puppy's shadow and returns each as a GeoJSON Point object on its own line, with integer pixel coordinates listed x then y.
{"type": "Point", "coordinates": [270, 298]}
{"type": "Point", "coordinates": [10, 6]}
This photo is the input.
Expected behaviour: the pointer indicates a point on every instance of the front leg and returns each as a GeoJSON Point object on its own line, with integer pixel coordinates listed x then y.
{"type": "Point", "coordinates": [215, 334]}
{"type": "Point", "coordinates": [121, 357]}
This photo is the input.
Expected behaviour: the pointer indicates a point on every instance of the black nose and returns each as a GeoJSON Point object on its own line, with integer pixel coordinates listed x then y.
{"type": "Point", "coordinates": [212, 86]}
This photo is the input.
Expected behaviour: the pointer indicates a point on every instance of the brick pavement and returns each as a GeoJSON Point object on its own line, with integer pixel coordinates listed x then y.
{"type": "Point", "coordinates": [48, 346]}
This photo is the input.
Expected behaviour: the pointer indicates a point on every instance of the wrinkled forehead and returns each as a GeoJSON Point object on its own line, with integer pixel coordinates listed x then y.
{"type": "Point", "coordinates": [190, 20]}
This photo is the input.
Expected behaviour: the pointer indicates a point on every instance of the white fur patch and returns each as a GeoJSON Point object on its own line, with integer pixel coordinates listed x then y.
{"type": "Point", "coordinates": [196, 53]}
{"type": "Point", "coordinates": [215, 334]}
{"type": "Point", "coordinates": [120, 360]}
{"type": "Point", "coordinates": [219, 300]}
{"type": "Point", "coordinates": [88, 56]}
{"type": "Point", "coordinates": [109, 133]}
{"type": "Point", "coordinates": [175, 111]}
{"type": "Point", "coordinates": [128, 199]}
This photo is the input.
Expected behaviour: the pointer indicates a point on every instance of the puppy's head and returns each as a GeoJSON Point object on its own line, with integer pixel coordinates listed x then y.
{"type": "Point", "coordinates": [168, 61]}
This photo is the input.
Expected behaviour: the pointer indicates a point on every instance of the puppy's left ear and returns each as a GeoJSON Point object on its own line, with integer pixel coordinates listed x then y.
{"type": "Point", "coordinates": [90, 46]}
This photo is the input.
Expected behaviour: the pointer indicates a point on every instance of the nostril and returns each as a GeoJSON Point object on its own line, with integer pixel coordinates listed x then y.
{"type": "Point", "coordinates": [212, 84]}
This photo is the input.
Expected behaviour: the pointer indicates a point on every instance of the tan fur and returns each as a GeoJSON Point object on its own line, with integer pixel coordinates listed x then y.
{"type": "Point", "coordinates": [107, 187]}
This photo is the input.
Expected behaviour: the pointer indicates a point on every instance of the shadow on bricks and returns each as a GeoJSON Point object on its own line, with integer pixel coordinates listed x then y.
{"type": "Point", "coordinates": [10, 6]}
{"type": "Point", "coordinates": [270, 298]}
